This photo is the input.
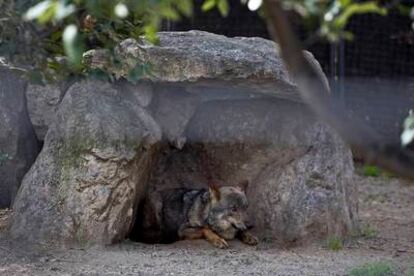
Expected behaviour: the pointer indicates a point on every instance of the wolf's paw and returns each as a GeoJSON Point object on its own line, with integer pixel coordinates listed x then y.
{"type": "Point", "coordinates": [249, 239]}
{"type": "Point", "coordinates": [220, 243]}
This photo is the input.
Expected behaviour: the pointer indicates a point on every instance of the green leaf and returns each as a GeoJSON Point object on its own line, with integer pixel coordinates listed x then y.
{"type": "Point", "coordinates": [38, 10]}
{"type": "Point", "coordinates": [223, 7]}
{"type": "Point", "coordinates": [63, 10]}
{"type": "Point", "coordinates": [56, 36]}
{"type": "Point", "coordinates": [185, 7]}
{"type": "Point", "coordinates": [54, 65]}
{"type": "Point", "coordinates": [49, 14]}
{"type": "Point", "coordinates": [357, 8]}
{"type": "Point", "coordinates": [72, 45]}
{"type": "Point", "coordinates": [208, 5]}
{"type": "Point", "coordinates": [168, 12]}
{"type": "Point", "coordinates": [345, 3]}
{"type": "Point", "coordinates": [404, 10]}
{"type": "Point", "coordinates": [151, 34]}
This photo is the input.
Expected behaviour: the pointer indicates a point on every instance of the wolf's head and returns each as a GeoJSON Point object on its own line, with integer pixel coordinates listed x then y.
{"type": "Point", "coordinates": [228, 208]}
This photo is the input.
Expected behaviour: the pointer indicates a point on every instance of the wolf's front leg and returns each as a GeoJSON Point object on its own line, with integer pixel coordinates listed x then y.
{"type": "Point", "coordinates": [215, 239]}
{"type": "Point", "coordinates": [192, 233]}
{"type": "Point", "coordinates": [248, 238]}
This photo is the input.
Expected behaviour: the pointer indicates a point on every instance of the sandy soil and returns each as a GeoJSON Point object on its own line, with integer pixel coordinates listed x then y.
{"type": "Point", "coordinates": [386, 212]}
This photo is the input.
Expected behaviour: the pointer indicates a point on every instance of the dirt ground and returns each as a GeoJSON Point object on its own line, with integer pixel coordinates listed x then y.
{"type": "Point", "coordinates": [387, 219]}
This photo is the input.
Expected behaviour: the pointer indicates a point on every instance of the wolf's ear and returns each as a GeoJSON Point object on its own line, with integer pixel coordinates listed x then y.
{"type": "Point", "coordinates": [214, 191]}
{"type": "Point", "coordinates": [243, 185]}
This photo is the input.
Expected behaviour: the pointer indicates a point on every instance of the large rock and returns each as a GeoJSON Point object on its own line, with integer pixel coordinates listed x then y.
{"type": "Point", "coordinates": [204, 61]}
{"type": "Point", "coordinates": [42, 104]}
{"type": "Point", "coordinates": [300, 172]}
{"type": "Point", "coordinates": [210, 107]}
{"type": "Point", "coordinates": [18, 143]}
{"type": "Point", "coordinates": [92, 170]}
{"type": "Point", "coordinates": [173, 107]}
{"type": "Point", "coordinates": [251, 64]}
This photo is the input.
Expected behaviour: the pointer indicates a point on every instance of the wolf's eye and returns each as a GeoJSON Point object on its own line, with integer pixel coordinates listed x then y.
{"type": "Point", "coordinates": [234, 209]}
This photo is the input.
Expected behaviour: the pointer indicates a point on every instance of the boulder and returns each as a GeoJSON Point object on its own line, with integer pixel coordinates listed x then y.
{"type": "Point", "coordinates": [92, 171]}
{"type": "Point", "coordinates": [204, 61]}
{"type": "Point", "coordinates": [206, 107]}
{"type": "Point", "coordinates": [18, 143]}
{"type": "Point", "coordinates": [246, 63]}
{"type": "Point", "coordinates": [300, 172]}
{"type": "Point", "coordinates": [173, 108]}
{"type": "Point", "coordinates": [42, 104]}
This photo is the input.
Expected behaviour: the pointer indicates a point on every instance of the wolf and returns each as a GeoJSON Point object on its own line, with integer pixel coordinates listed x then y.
{"type": "Point", "coordinates": [216, 214]}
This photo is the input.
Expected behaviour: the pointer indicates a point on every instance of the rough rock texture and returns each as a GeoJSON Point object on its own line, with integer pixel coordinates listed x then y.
{"type": "Point", "coordinates": [300, 172]}
{"type": "Point", "coordinates": [196, 55]}
{"type": "Point", "coordinates": [209, 107]}
{"type": "Point", "coordinates": [42, 104]}
{"type": "Point", "coordinates": [92, 170]}
{"type": "Point", "coordinates": [173, 108]}
{"type": "Point", "coordinates": [18, 143]}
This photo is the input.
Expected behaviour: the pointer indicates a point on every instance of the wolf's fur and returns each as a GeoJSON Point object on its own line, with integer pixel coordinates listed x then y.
{"type": "Point", "coordinates": [216, 214]}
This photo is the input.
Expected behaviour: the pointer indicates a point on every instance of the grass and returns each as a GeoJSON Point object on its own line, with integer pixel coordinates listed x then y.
{"type": "Point", "coordinates": [367, 231]}
{"type": "Point", "coordinates": [411, 271]}
{"type": "Point", "coordinates": [372, 171]}
{"type": "Point", "coordinates": [334, 243]}
{"type": "Point", "coordinates": [372, 269]}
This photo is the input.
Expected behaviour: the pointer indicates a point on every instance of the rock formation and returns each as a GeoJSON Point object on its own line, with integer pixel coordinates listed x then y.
{"type": "Point", "coordinates": [206, 106]}
{"type": "Point", "coordinates": [18, 143]}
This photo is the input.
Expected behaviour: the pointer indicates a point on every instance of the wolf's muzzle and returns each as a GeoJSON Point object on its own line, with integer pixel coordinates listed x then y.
{"type": "Point", "coordinates": [239, 226]}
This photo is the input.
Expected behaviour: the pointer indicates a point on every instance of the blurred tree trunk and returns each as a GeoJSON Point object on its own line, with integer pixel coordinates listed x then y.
{"type": "Point", "coordinates": [313, 91]}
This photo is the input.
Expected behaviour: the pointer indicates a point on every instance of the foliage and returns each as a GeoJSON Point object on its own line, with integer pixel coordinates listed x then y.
{"type": "Point", "coordinates": [58, 32]}
{"type": "Point", "coordinates": [54, 34]}
{"type": "Point", "coordinates": [374, 171]}
{"type": "Point", "coordinates": [21, 42]}
{"type": "Point", "coordinates": [334, 243]}
{"type": "Point", "coordinates": [372, 269]}
{"type": "Point", "coordinates": [333, 16]}
{"type": "Point", "coordinates": [222, 6]}
{"type": "Point", "coordinates": [369, 170]}
{"type": "Point", "coordinates": [335, 20]}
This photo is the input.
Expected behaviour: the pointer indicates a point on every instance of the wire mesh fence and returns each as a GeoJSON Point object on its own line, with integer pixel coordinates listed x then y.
{"type": "Point", "coordinates": [372, 74]}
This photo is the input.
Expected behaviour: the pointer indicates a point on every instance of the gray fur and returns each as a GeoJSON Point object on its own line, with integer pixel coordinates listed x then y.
{"type": "Point", "coordinates": [169, 215]}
